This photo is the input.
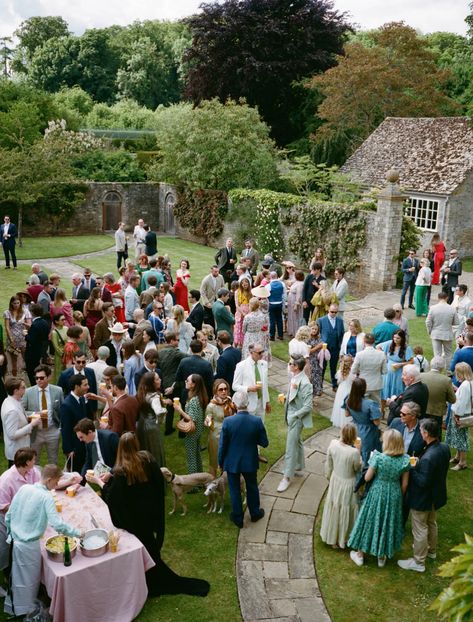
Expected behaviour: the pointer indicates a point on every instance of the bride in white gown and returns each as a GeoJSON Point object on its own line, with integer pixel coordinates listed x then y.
{"type": "Point", "coordinates": [345, 379]}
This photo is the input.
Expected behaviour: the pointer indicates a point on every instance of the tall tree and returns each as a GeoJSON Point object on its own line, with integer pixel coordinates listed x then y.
{"type": "Point", "coordinates": [32, 34]}
{"type": "Point", "coordinates": [257, 48]}
{"type": "Point", "coordinates": [397, 76]}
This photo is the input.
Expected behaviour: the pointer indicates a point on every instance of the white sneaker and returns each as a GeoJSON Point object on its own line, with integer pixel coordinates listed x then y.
{"type": "Point", "coordinates": [432, 555]}
{"type": "Point", "coordinates": [284, 484]}
{"type": "Point", "coordinates": [359, 560]}
{"type": "Point", "coordinates": [410, 564]}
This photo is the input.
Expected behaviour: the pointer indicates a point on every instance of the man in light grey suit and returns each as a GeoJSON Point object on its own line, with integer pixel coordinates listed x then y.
{"type": "Point", "coordinates": [370, 364]}
{"type": "Point", "coordinates": [440, 322]}
{"type": "Point", "coordinates": [340, 288]}
{"type": "Point", "coordinates": [298, 416]}
{"type": "Point", "coordinates": [250, 253]}
{"type": "Point", "coordinates": [208, 293]}
{"type": "Point", "coordinates": [46, 399]}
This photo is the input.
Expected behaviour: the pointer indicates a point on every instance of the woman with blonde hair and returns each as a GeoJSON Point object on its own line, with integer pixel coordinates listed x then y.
{"type": "Point", "coordinates": [378, 528]}
{"type": "Point", "coordinates": [423, 281]}
{"type": "Point", "coordinates": [219, 407]}
{"type": "Point", "coordinates": [298, 347]}
{"type": "Point", "coordinates": [459, 438]}
{"type": "Point", "coordinates": [341, 504]}
{"type": "Point", "coordinates": [345, 380]}
{"type": "Point", "coordinates": [177, 324]}
{"type": "Point", "coordinates": [321, 301]}
{"type": "Point", "coordinates": [353, 339]}
{"type": "Point", "coordinates": [209, 351]}
{"type": "Point", "coordinates": [242, 304]}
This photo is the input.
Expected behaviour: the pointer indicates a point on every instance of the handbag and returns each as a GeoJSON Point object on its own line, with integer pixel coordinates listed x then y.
{"type": "Point", "coordinates": [186, 427]}
{"type": "Point", "coordinates": [467, 420]}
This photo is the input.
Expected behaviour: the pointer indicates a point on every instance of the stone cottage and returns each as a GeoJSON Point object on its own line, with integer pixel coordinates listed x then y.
{"type": "Point", "coordinates": [434, 157]}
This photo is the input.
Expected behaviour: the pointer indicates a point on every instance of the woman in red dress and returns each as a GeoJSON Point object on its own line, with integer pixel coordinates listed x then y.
{"type": "Point", "coordinates": [181, 293]}
{"type": "Point", "coordinates": [93, 310]}
{"type": "Point", "coordinates": [439, 249]}
{"type": "Point", "coordinates": [115, 289]}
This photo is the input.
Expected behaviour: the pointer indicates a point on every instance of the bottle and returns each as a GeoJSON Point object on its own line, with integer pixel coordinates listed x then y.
{"type": "Point", "coordinates": [67, 553]}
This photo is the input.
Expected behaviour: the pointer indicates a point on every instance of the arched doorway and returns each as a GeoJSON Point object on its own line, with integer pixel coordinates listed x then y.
{"type": "Point", "coordinates": [111, 211]}
{"type": "Point", "coordinates": [169, 225]}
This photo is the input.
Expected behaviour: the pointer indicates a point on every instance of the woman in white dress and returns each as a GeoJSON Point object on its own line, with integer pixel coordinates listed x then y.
{"type": "Point", "coordinates": [345, 379]}
{"type": "Point", "coordinates": [341, 507]}
{"type": "Point", "coordinates": [298, 348]}
{"type": "Point", "coordinates": [185, 330]}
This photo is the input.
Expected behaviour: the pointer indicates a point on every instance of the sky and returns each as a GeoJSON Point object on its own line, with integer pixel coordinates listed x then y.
{"type": "Point", "coordinates": [424, 15]}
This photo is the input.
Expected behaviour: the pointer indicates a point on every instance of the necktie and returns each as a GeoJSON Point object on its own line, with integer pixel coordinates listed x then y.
{"type": "Point", "coordinates": [257, 374]}
{"type": "Point", "coordinates": [94, 453]}
{"type": "Point", "coordinates": [44, 406]}
{"type": "Point", "coordinates": [82, 405]}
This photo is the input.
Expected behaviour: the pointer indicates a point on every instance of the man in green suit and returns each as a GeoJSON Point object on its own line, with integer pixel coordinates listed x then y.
{"type": "Point", "coordinates": [298, 416]}
{"type": "Point", "coordinates": [224, 318]}
{"type": "Point", "coordinates": [441, 391]}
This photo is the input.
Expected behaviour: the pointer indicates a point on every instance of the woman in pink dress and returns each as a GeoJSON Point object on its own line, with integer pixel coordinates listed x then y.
{"type": "Point", "coordinates": [93, 310]}
{"type": "Point", "coordinates": [181, 293]}
{"type": "Point", "coordinates": [61, 305]}
{"type": "Point", "coordinates": [242, 300]}
{"type": "Point", "coordinates": [439, 249]}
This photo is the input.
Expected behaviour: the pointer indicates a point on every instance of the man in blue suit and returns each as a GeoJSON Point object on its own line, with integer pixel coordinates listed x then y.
{"type": "Point", "coordinates": [238, 455]}
{"type": "Point", "coordinates": [427, 493]}
{"type": "Point", "coordinates": [408, 426]}
{"type": "Point", "coordinates": [99, 444]}
{"type": "Point", "coordinates": [8, 235]}
{"type": "Point", "coordinates": [228, 359]}
{"type": "Point", "coordinates": [72, 410]}
{"type": "Point", "coordinates": [331, 333]}
{"type": "Point", "coordinates": [79, 367]}
{"type": "Point", "coordinates": [410, 268]}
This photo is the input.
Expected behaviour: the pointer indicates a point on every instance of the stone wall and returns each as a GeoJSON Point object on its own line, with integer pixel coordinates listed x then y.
{"type": "Point", "coordinates": [458, 230]}
{"type": "Point", "coordinates": [137, 200]}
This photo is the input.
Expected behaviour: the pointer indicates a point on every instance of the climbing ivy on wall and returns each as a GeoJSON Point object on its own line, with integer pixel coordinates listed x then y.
{"type": "Point", "coordinates": [201, 211]}
{"type": "Point", "coordinates": [259, 212]}
{"type": "Point", "coordinates": [339, 229]}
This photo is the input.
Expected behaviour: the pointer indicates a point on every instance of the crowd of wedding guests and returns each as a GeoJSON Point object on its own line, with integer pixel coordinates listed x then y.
{"type": "Point", "coordinates": [140, 351]}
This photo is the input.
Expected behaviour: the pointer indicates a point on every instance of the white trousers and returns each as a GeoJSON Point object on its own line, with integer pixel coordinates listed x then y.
{"type": "Point", "coordinates": [25, 577]}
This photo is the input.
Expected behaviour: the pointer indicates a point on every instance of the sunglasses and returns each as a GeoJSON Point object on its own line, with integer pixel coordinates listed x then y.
{"type": "Point", "coordinates": [40, 377]}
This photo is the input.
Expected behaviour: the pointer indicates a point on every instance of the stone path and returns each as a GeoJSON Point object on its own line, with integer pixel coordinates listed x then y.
{"type": "Point", "coordinates": [275, 561]}
{"type": "Point", "coordinates": [66, 266]}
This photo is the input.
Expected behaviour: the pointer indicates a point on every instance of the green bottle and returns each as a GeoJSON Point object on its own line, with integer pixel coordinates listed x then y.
{"type": "Point", "coordinates": [67, 553]}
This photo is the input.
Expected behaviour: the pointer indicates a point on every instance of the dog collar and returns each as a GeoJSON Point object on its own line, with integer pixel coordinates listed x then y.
{"type": "Point", "coordinates": [173, 476]}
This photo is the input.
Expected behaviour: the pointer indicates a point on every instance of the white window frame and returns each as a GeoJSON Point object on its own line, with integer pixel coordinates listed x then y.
{"type": "Point", "coordinates": [424, 212]}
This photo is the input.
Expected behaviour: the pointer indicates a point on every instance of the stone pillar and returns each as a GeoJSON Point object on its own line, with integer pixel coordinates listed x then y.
{"type": "Point", "coordinates": [386, 241]}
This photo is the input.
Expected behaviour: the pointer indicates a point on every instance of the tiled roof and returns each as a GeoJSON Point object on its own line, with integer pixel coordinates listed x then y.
{"type": "Point", "coordinates": [431, 154]}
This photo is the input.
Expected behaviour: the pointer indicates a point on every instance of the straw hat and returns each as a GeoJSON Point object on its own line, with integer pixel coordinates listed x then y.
{"type": "Point", "coordinates": [117, 328]}
{"type": "Point", "coordinates": [288, 264]}
{"type": "Point", "coordinates": [260, 292]}
{"type": "Point", "coordinates": [24, 292]}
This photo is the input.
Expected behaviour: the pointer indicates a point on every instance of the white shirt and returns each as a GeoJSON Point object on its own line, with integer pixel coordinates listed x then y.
{"type": "Point", "coordinates": [139, 234]}
{"type": "Point", "coordinates": [5, 229]}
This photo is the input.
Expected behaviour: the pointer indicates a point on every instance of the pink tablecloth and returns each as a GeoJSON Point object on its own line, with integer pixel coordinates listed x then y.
{"type": "Point", "coordinates": [110, 588]}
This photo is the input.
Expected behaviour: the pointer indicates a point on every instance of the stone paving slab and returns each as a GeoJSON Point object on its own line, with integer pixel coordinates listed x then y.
{"type": "Point", "coordinates": [291, 522]}
{"type": "Point", "coordinates": [310, 495]}
{"type": "Point", "coordinates": [290, 588]}
{"type": "Point", "coordinates": [255, 551]}
{"type": "Point", "coordinates": [271, 481]}
{"type": "Point", "coordinates": [301, 557]}
{"type": "Point", "coordinates": [254, 602]}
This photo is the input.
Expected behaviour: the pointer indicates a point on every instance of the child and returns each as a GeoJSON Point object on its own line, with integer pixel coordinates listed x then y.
{"type": "Point", "coordinates": [420, 361]}
{"type": "Point", "coordinates": [345, 379]}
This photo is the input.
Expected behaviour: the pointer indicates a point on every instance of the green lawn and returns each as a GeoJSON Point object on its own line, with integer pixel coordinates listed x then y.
{"type": "Point", "coordinates": [62, 246]}
{"type": "Point", "coordinates": [467, 264]}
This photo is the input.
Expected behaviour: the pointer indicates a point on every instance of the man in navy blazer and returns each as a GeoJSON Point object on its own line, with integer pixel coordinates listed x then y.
{"type": "Point", "coordinates": [426, 493]}
{"type": "Point", "coordinates": [408, 426]}
{"type": "Point", "coordinates": [410, 268]}
{"type": "Point", "coordinates": [331, 333]}
{"type": "Point", "coordinates": [8, 235]}
{"type": "Point", "coordinates": [238, 455]}
{"type": "Point", "coordinates": [72, 410]}
{"type": "Point", "coordinates": [79, 367]}
{"type": "Point", "coordinates": [99, 444]}
{"type": "Point", "coordinates": [37, 341]}
{"type": "Point", "coordinates": [228, 359]}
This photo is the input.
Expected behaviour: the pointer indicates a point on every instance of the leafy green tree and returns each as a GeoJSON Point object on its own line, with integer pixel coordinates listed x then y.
{"type": "Point", "coordinates": [126, 114]}
{"type": "Point", "coordinates": [214, 146]}
{"type": "Point", "coordinates": [257, 50]}
{"type": "Point", "coordinates": [55, 64]}
{"type": "Point", "coordinates": [108, 166]}
{"type": "Point", "coordinates": [22, 123]}
{"type": "Point", "coordinates": [74, 99]}
{"type": "Point", "coordinates": [33, 33]}
{"type": "Point", "coordinates": [398, 76]}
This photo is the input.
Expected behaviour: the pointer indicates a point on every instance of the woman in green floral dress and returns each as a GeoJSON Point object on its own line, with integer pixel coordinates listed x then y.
{"type": "Point", "coordinates": [378, 529]}
{"type": "Point", "coordinates": [196, 404]}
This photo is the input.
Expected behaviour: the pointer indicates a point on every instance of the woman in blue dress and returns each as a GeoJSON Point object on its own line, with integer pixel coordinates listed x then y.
{"type": "Point", "coordinates": [398, 354]}
{"type": "Point", "coordinates": [378, 529]}
{"type": "Point", "coordinates": [366, 416]}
